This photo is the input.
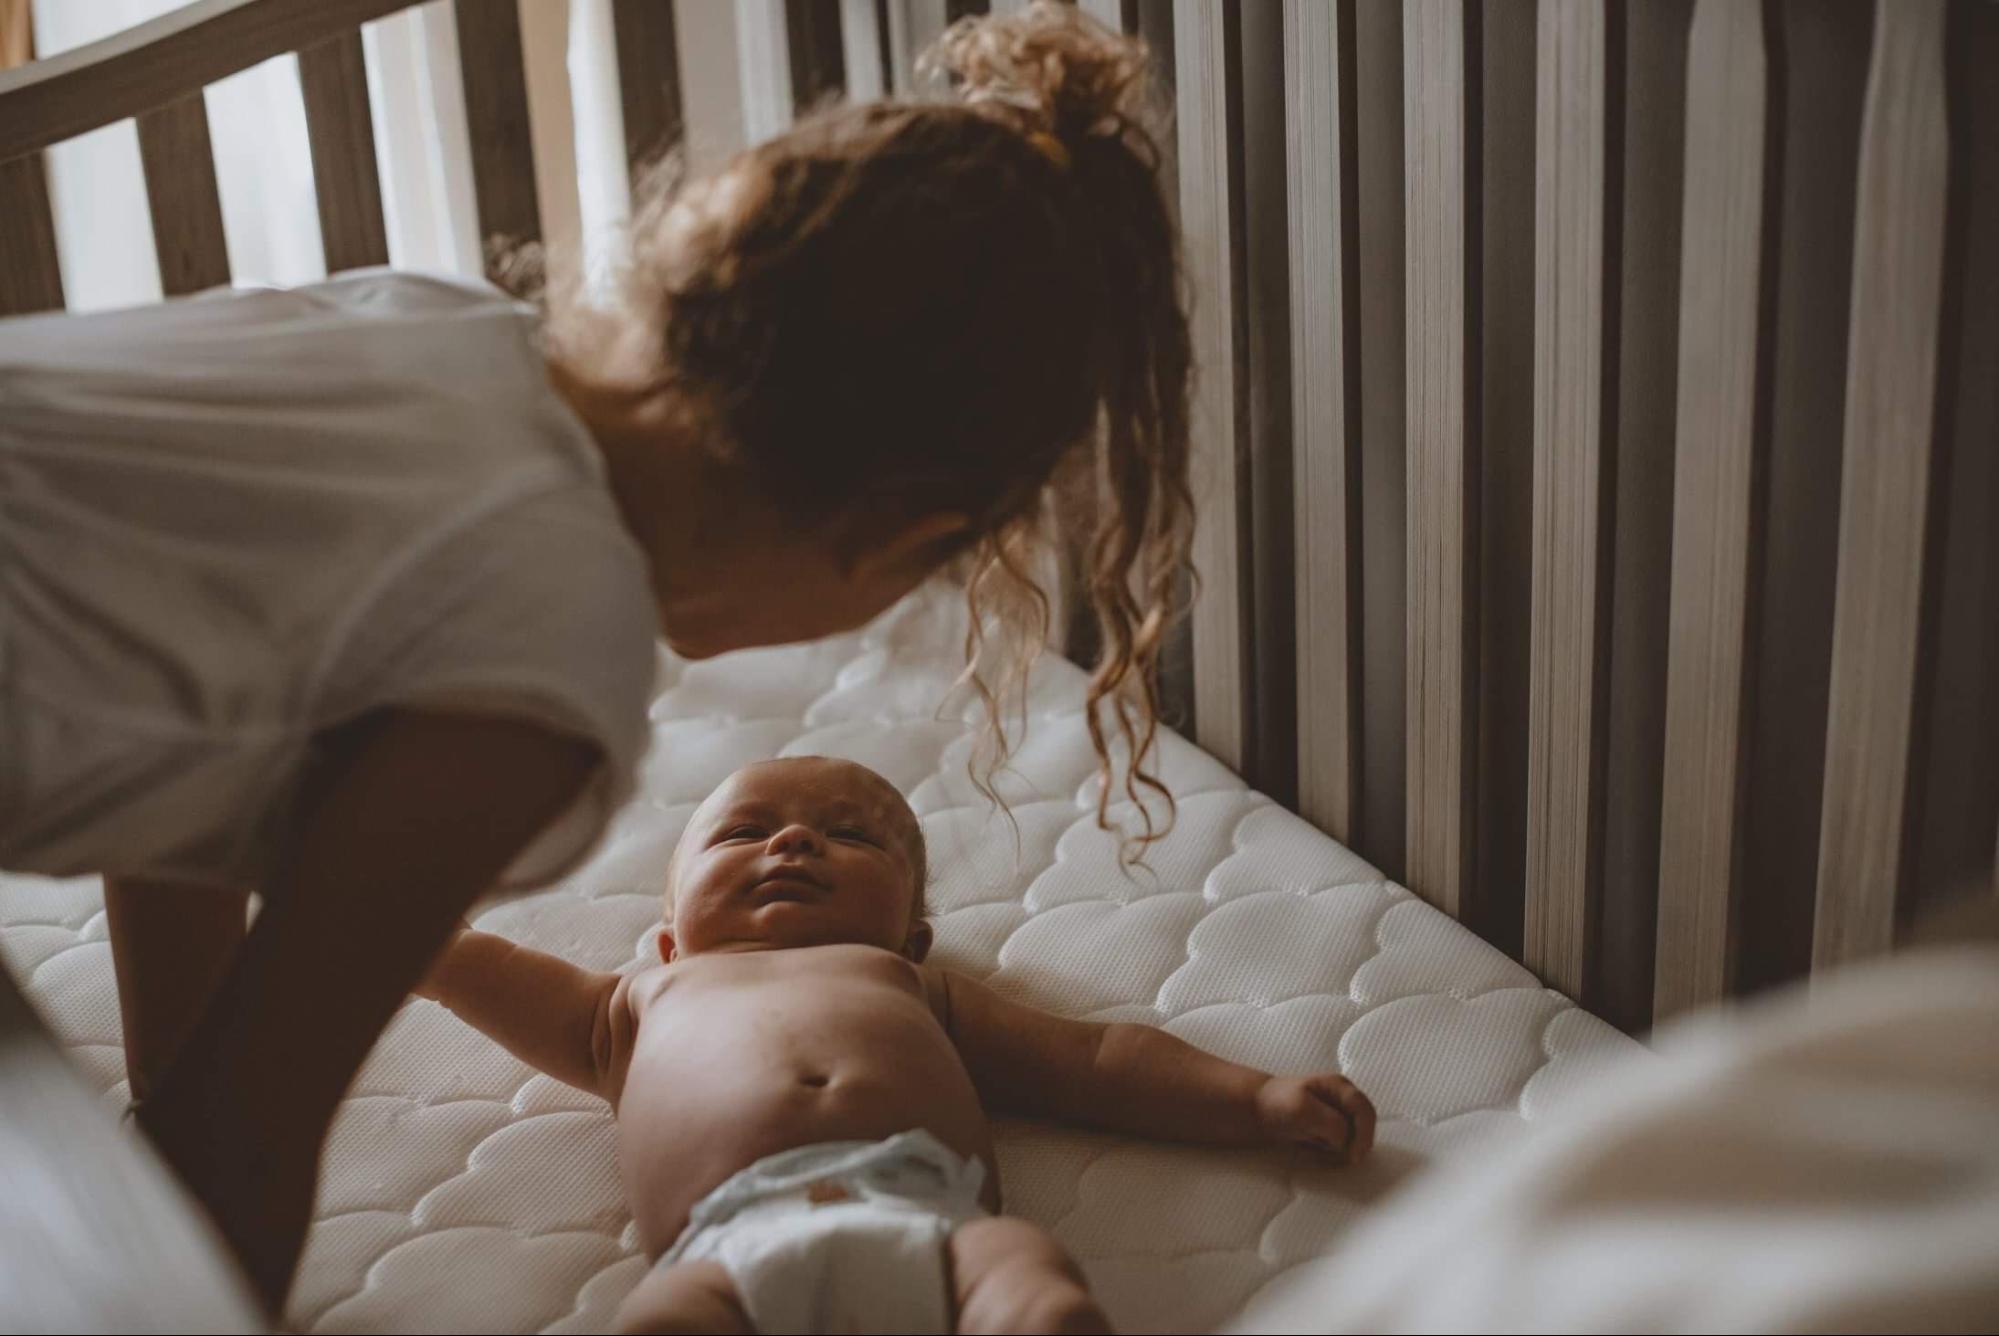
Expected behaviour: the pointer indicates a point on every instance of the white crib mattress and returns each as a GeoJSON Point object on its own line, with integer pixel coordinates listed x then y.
{"type": "Point", "coordinates": [465, 1192]}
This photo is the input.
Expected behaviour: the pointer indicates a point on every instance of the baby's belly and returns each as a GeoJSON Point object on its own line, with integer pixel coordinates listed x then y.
{"type": "Point", "coordinates": [685, 1128]}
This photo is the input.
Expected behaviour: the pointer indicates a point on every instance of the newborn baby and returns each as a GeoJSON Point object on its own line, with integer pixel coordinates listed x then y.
{"type": "Point", "coordinates": [802, 1101]}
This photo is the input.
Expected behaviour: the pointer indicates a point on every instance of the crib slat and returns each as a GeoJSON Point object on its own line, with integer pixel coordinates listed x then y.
{"type": "Point", "coordinates": [648, 77]}
{"type": "Point", "coordinates": [912, 26]}
{"type": "Point", "coordinates": [496, 114]}
{"type": "Point", "coordinates": [1714, 518]}
{"type": "Point", "coordinates": [1210, 178]}
{"type": "Point", "coordinates": [818, 58]}
{"type": "Point", "coordinates": [1961, 765]}
{"type": "Point", "coordinates": [1110, 13]}
{"type": "Point", "coordinates": [1270, 518]}
{"type": "Point", "coordinates": [151, 63]}
{"type": "Point", "coordinates": [1655, 91]}
{"type": "Point", "coordinates": [1505, 520]}
{"type": "Point", "coordinates": [551, 120]}
{"type": "Point", "coordinates": [1819, 105]}
{"type": "Point", "coordinates": [1381, 828]}
{"type": "Point", "coordinates": [1439, 146]}
{"type": "Point", "coordinates": [763, 65]}
{"type": "Point", "coordinates": [1325, 371]}
{"type": "Point", "coordinates": [179, 164]}
{"type": "Point", "coordinates": [1573, 264]}
{"type": "Point", "coordinates": [860, 50]}
{"type": "Point", "coordinates": [334, 80]}
{"type": "Point", "coordinates": [1891, 386]}
{"type": "Point", "coordinates": [30, 274]}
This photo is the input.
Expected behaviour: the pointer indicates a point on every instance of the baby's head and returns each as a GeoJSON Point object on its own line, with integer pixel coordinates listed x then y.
{"type": "Point", "coordinates": [801, 851]}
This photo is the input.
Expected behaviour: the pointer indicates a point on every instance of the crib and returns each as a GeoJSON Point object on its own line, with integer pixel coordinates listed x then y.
{"type": "Point", "coordinates": [1599, 461]}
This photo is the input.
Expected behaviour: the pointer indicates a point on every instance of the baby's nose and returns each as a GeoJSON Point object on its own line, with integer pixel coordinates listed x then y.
{"type": "Point", "coordinates": [796, 838]}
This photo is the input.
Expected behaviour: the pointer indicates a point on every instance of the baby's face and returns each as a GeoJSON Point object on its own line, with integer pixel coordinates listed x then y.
{"type": "Point", "coordinates": [805, 851]}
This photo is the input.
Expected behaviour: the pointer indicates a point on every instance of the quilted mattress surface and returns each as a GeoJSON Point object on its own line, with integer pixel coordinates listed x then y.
{"type": "Point", "coordinates": [464, 1192]}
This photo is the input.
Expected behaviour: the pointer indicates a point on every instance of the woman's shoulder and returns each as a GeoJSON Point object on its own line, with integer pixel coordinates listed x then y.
{"type": "Point", "coordinates": [381, 290]}
{"type": "Point", "coordinates": [375, 293]}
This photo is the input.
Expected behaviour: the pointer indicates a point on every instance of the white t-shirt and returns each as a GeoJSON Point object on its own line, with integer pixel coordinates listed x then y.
{"type": "Point", "coordinates": [231, 522]}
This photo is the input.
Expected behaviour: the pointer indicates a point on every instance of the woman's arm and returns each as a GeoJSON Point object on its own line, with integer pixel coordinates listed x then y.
{"type": "Point", "coordinates": [556, 1017]}
{"type": "Point", "coordinates": [1142, 1080]}
{"type": "Point", "coordinates": [415, 817]}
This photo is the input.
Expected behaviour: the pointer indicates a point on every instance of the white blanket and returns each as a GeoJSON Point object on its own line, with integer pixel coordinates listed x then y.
{"type": "Point", "coordinates": [1825, 1161]}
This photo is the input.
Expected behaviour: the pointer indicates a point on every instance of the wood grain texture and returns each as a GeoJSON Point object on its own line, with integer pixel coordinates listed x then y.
{"type": "Point", "coordinates": [1325, 375]}
{"type": "Point", "coordinates": [1820, 101]}
{"type": "Point", "coordinates": [1655, 120]}
{"type": "Point", "coordinates": [179, 166]}
{"type": "Point", "coordinates": [1497, 910]}
{"type": "Point", "coordinates": [1955, 858]}
{"type": "Point", "coordinates": [334, 81]}
{"type": "Point", "coordinates": [1573, 269]}
{"type": "Point", "coordinates": [1440, 146]}
{"type": "Point", "coordinates": [496, 114]}
{"type": "Point", "coordinates": [1384, 512]}
{"type": "Point", "coordinates": [1714, 515]}
{"type": "Point", "coordinates": [1209, 180]}
{"type": "Point", "coordinates": [1271, 751]}
{"type": "Point", "coordinates": [551, 121]}
{"type": "Point", "coordinates": [154, 63]}
{"type": "Point", "coordinates": [648, 78]}
{"type": "Point", "coordinates": [30, 272]}
{"type": "Point", "coordinates": [1152, 20]}
{"type": "Point", "coordinates": [1886, 487]}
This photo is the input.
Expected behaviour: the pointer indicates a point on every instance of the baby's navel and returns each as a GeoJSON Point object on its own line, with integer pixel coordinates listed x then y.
{"type": "Point", "coordinates": [817, 1080]}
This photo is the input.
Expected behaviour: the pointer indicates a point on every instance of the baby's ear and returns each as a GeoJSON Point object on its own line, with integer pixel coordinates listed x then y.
{"type": "Point", "coordinates": [667, 948]}
{"type": "Point", "coordinates": [917, 945]}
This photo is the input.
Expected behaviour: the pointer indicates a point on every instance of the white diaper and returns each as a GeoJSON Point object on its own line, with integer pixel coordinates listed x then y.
{"type": "Point", "coordinates": [844, 1236]}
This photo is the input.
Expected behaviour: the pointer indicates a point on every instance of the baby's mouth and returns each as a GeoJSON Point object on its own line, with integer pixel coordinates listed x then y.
{"type": "Point", "coordinates": [789, 884]}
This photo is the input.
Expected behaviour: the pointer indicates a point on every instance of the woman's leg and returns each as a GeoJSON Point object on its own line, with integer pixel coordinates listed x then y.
{"type": "Point", "coordinates": [415, 817]}
{"type": "Point", "coordinates": [171, 944]}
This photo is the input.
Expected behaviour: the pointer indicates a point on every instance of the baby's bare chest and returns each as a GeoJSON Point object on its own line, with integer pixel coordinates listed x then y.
{"type": "Point", "coordinates": [824, 1019]}
{"type": "Point", "coordinates": [732, 1065]}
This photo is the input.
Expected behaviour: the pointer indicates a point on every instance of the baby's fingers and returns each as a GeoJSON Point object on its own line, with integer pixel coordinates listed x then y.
{"type": "Point", "coordinates": [1352, 1107]}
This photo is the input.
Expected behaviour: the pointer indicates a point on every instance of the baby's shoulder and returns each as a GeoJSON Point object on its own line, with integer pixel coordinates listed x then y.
{"type": "Point", "coordinates": [642, 987]}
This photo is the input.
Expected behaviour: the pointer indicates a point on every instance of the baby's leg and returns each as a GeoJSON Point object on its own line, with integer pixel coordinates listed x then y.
{"type": "Point", "coordinates": [171, 944]}
{"type": "Point", "coordinates": [687, 1296]}
{"type": "Point", "coordinates": [1011, 1276]}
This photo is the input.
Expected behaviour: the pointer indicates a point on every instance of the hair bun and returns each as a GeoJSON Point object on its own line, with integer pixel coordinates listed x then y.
{"type": "Point", "coordinates": [1061, 70]}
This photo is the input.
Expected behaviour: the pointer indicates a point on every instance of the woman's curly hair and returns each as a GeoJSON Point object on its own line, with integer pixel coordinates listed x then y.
{"type": "Point", "coordinates": [970, 304]}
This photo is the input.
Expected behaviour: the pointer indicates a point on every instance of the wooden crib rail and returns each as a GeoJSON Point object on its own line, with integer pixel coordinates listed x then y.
{"type": "Point", "coordinates": [161, 61]}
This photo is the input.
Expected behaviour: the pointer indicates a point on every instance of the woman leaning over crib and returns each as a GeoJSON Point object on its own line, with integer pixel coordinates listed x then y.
{"type": "Point", "coordinates": [343, 597]}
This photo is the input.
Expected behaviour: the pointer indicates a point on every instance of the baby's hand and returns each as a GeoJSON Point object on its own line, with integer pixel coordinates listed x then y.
{"type": "Point", "coordinates": [1325, 1112]}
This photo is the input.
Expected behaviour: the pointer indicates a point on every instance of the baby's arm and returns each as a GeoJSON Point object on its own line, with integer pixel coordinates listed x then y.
{"type": "Point", "coordinates": [1138, 1079]}
{"type": "Point", "coordinates": [575, 1024]}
